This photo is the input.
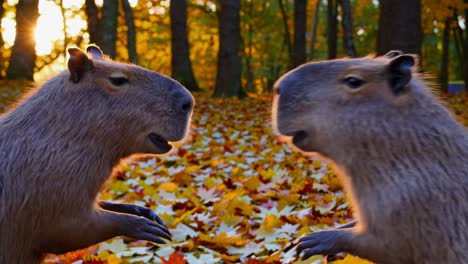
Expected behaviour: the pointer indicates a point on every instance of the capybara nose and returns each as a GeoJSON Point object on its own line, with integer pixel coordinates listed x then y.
{"type": "Point", "coordinates": [278, 90]}
{"type": "Point", "coordinates": [277, 87]}
{"type": "Point", "coordinates": [184, 102]}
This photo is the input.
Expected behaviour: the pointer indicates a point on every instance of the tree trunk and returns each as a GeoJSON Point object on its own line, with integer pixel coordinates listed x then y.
{"type": "Point", "coordinates": [110, 10]}
{"type": "Point", "coordinates": [2, 42]}
{"type": "Point", "coordinates": [287, 34]}
{"type": "Point", "coordinates": [180, 49]}
{"type": "Point", "coordinates": [314, 30]}
{"type": "Point", "coordinates": [400, 26]}
{"type": "Point", "coordinates": [272, 64]}
{"type": "Point", "coordinates": [332, 28]}
{"type": "Point", "coordinates": [347, 22]}
{"type": "Point", "coordinates": [458, 39]}
{"type": "Point", "coordinates": [300, 23]}
{"type": "Point", "coordinates": [23, 54]}
{"type": "Point", "coordinates": [131, 33]}
{"type": "Point", "coordinates": [249, 78]}
{"type": "Point", "coordinates": [443, 77]}
{"type": "Point", "coordinates": [2, 12]}
{"type": "Point", "coordinates": [92, 14]}
{"type": "Point", "coordinates": [465, 48]}
{"type": "Point", "coordinates": [228, 77]}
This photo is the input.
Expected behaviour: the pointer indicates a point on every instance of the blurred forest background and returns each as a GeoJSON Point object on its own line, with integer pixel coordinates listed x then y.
{"type": "Point", "coordinates": [232, 47]}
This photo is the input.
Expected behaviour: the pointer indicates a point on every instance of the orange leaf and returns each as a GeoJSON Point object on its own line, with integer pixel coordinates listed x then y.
{"type": "Point", "coordinates": [174, 258]}
{"type": "Point", "coordinates": [254, 261]}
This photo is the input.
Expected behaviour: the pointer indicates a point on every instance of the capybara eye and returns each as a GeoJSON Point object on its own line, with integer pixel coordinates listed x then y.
{"type": "Point", "coordinates": [353, 82]}
{"type": "Point", "coordinates": [118, 81]}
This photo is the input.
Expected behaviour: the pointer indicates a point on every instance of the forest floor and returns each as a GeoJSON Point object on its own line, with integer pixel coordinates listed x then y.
{"type": "Point", "coordinates": [232, 193]}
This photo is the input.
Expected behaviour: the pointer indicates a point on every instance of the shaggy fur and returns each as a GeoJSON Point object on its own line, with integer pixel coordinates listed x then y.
{"type": "Point", "coordinates": [400, 155]}
{"type": "Point", "coordinates": [58, 146]}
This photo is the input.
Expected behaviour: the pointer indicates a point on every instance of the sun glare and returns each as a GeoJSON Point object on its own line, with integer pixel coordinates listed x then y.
{"type": "Point", "coordinates": [73, 4]}
{"type": "Point", "coordinates": [133, 3]}
{"type": "Point", "coordinates": [8, 29]}
{"type": "Point", "coordinates": [49, 29]}
{"type": "Point", "coordinates": [12, 2]}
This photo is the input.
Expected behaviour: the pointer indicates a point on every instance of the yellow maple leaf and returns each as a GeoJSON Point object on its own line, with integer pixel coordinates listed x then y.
{"type": "Point", "coordinates": [252, 183]}
{"type": "Point", "coordinates": [350, 259]}
{"type": "Point", "coordinates": [222, 239]}
{"type": "Point", "coordinates": [109, 257]}
{"type": "Point", "coordinates": [231, 219]}
{"type": "Point", "coordinates": [268, 224]}
{"type": "Point", "coordinates": [119, 187]}
{"type": "Point", "coordinates": [169, 187]}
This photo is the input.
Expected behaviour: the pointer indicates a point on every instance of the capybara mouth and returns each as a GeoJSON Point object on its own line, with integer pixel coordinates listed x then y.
{"type": "Point", "coordinates": [292, 133]}
{"type": "Point", "coordinates": [298, 137]}
{"type": "Point", "coordinates": [160, 142]}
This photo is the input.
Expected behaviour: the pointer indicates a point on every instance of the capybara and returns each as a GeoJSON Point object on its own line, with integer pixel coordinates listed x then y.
{"type": "Point", "coordinates": [63, 140]}
{"type": "Point", "coordinates": [401, 156]}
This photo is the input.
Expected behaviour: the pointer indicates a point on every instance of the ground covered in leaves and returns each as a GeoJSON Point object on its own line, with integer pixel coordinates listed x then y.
{"type": "Point", "coordinates": [232, 193]}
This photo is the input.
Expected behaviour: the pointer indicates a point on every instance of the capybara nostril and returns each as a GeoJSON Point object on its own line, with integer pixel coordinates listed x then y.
{"type": "Point", "coordinates": [186, 106]}
{"type": "Point", "coordinates": [277, 89]}
{"type": "Point", "coordinates": [185, 102]}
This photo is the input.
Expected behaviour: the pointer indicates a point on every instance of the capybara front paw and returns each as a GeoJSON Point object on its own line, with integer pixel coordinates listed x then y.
{"type": "Point", "coordinates": [320, 243]}
{"type": "Point", "coordinates": [144, 229]}
{"type": "Point", "coordinates": [132, 209]}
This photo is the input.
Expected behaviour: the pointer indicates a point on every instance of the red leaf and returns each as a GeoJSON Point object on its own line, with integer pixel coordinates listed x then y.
{"type": "Point", "coordinates": [174, 258]}
{"type": "Point", "coordinates": [254, 261]}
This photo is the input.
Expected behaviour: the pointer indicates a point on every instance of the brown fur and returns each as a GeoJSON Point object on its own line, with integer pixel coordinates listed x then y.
{"type": "Point", "coordinates": [402, 158]}
{"type": "Point", "coordinates": [62, 142]}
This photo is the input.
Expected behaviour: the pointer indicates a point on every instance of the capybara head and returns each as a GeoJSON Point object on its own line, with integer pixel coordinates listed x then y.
{"type": "Point", "coordinates": [148, 109]}
{"type": "Point", "coordinates": [335, 104]}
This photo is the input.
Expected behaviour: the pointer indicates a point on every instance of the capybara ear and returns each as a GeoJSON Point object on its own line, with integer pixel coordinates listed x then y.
{"type": "Point", "coordinates": [400, 72]}
{"type": "Point", "coordinates": [393, 53]}
{"type": "Point", "coordinates": [95, 52]}
{"type": "Point", "coordinates": [78, 64]}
